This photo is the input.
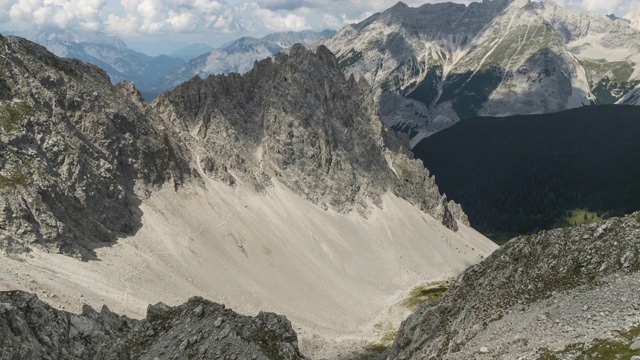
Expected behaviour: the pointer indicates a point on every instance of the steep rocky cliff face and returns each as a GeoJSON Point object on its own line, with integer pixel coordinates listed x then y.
{"type": "Point", "coordinates": [74, 152]}
{"type": "Point", "coordinates": [78, 154]}
{"type": "Point", "coordinates": [436, 64]}
{"type": "Point", "coordinates": [558, 291]}
{"type": "Point", "coordinates": [198, 329]}
{"type": "Point", "coordinates": [297, 119]}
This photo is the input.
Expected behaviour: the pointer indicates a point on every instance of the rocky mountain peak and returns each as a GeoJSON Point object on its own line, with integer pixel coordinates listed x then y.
{"type": "Point", "coordinates": [399, 6]}
{"type": "Point", "coordinates": [239, 56]}
{"type": "Point", "coordinates": [76, 152]}
{"type": "Point", "coordinates": [433, 65]}
{"type": "Point", "coordinates": [443, 214]}
{"type": "Point", "coordinates": [633, 18]}
{"type": "Point", "coordinates": [296, 120]}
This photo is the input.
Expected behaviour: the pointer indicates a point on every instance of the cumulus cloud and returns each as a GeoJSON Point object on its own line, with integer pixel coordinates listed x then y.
{"type": "Point", "coordinates": [53, 14]}
{"type": "Point", "coordinates": [220, 19]}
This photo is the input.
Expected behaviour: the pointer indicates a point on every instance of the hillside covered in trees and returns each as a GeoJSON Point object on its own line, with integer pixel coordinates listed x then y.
{"type": "Point", "coordinates": [521, 174]}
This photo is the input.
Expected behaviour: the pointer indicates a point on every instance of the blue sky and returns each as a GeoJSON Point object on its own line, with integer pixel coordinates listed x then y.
{"type": "Point", "coordinates": [155, 26]}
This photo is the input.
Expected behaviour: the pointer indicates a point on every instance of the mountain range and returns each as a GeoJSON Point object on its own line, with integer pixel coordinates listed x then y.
{"type": "Point", "coordinates": [153, 75]}
{"type": "Point", "coordinates": [433, 65]}
{"type": "Point", "coordinates": [277, 189]}
{"type": "Point", "coordinates": [111, 54]}
{"type": "Point", "coordinates": [239, 56]}
{"type": "Point", "coordinates": [282, 186]}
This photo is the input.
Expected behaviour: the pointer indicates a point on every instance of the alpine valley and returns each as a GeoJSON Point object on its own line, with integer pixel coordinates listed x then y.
{"type": "Point", "coordinates": [171, 229]}
{"type": "Point", "coordinates": [278, 189]}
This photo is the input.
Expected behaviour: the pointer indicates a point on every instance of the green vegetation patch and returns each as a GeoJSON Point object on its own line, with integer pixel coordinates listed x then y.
{"type": "Point", "coordinates": [580, 217]}
{"type": "Point", "coordinates": [64, 65]}
{"type": "Point", "coordinates": [15, 178]}
{"type": "Point", "coordinates": [12, 114]}
{"type": "Point", "coordinates": [616, 71]}
{"type": "Point", "coordinates": [609, 349]}
{"type": "Point", "coordinates": [387, 334]}
{"type": "Point", "coordinates": [348, 59]}
{"type": "Point", "coordinates": [609, 81]}
{"type": "Point", "coordinates": [422, 294]}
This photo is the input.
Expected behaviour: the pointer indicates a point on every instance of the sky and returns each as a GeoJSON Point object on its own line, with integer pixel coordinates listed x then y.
{"type": "Point", "coordinates": [156, 26]}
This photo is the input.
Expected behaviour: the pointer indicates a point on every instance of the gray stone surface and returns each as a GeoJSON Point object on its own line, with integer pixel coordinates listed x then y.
{"type": "Point", "coordinates": [77, 153]}
{"type": "Point", "coordinates": [551, 290]}
{"type": "Point", "coordinates": [30, 329]}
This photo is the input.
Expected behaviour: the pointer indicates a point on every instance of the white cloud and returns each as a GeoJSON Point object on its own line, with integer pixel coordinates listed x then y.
{"type": "Point", "coordinates": [53, 14]}
{"type": "Point", "coordinates": [216, 21]}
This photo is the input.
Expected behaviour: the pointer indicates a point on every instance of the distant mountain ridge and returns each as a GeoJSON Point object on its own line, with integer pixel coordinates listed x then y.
{"type": "Point", "coordinates": [633, 18]}
{"type": "Point", "coordinates": [239, 56]}
{"type": "Point", "coordinates": [433, 65]}
{"type": "Point", "coordinates": [110, 53]}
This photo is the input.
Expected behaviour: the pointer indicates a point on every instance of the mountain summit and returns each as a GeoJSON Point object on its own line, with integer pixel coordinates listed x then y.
{"type": "Point", "coordinates": [436, 64]}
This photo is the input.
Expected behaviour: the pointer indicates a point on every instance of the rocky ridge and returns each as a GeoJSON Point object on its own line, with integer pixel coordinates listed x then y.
{"type": "Point", "coordinates": [198, 329]}
{"type": "Point", "coordinates": [76, 153]}
{"type": "Point", "coordinates": [79, 154]}
{"type": "Point", "coordinates": [296, 119]}
{"type": "Point", "coordinates": [433, 65]}
{"type": "Point", "coordinates": [531, 288]}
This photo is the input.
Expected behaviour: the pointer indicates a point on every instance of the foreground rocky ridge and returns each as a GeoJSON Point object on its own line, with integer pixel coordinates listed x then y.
{"type": "Point", "coordinates": [76, 153]}
{"type": "Point", "coordinates": [533, 277]}
{"type": "Point", "coordinates": [198, 329]}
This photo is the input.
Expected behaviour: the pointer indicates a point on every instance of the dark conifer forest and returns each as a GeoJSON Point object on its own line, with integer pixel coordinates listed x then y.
{"type": "Point", "coordinates": [521, 174]}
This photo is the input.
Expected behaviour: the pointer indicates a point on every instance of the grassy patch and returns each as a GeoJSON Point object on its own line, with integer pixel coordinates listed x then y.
{"type": "Point", "coordinates": [12, 114]}
{"type": "Point", "coordinates": [349, 59]}
{"type": "Point", "coordinates": [580, 217]}
{"type": "Point", "coordinates": [15, 178]}
{"type": "Point", "coordinates": [616, 71]}
{"type": "Point", "coordinates": [64, 66]}
{"type": "Point", "coordinates": [422, 294]}
{"type": "Point", "coordinates": [609, 81]}
{"type": "Point", "coordinates": [387, 335]}
{"type": "Point", "coordinates": [609, 349]}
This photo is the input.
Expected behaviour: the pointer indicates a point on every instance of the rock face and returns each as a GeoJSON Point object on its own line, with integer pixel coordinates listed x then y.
{"type": "Point", "coordinates": [433, 65]}
{"type": "Point", "coordinates": [298, 120]}
{"type": "Point", "coordinates": [529, 277]}
{"type": "Point", "coordinates": [78, 154]}
{"type": "Point", "coordinates": [198, 329]}
{"type": "Point", "coordinates": [237, 57]}
{"type": "Point", "coordinates": [443, 214]}
{"type": "Point", "coordinates": [74, 151]}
